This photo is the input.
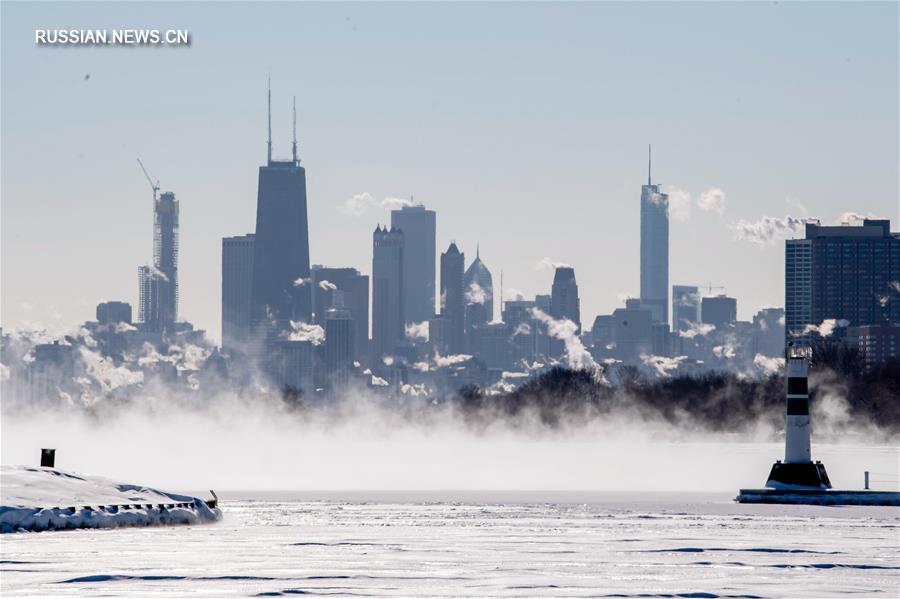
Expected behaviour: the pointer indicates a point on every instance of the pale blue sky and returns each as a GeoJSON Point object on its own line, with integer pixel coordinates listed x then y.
{"type": "Point", "coordinates": [524, 126]}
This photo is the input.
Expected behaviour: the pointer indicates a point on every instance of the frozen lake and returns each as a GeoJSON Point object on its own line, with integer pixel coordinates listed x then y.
{"type": "Point", "coordinates": [470, 544]}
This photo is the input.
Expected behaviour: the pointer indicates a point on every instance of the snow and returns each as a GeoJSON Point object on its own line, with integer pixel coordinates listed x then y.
{"type": "Point", "coordinates": [36, 499]}
{"type": "Point", "coordinates": [474, 544]}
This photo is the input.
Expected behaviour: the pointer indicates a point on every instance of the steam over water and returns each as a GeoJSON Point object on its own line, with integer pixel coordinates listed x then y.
{"type": "Point", "coordinates": [367, 501]}
{"type": "Point", "coordinates": [241, 446]}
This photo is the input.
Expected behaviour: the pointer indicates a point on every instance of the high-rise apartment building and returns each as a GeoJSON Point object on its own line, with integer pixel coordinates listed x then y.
{"type": "Point", "coordinates": [797, 290]}
{"type": "Point", "coordinates": [844, 272]}
{"type": "Point", "coordinates": [158, 284]}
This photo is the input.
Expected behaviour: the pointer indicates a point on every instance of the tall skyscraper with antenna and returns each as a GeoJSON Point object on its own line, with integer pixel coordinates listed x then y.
{"type": "Point", "coordinates": [280, 289]}
{"type": "Point", "coordinates": [654, 248]}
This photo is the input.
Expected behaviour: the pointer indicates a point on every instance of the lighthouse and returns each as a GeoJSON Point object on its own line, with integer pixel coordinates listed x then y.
{"type": "Point", "coordinates": [796, 428]}
{"type": "Point", "coordinates": [798, 479]}
{"type": "Point", "coordinates": [797, 471]}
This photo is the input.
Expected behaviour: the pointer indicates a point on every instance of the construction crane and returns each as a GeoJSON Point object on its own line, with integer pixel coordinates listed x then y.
{"type": "Point", "coordinates": [710, 288]}
{"type": "Point", "coordinates": [153, 186]}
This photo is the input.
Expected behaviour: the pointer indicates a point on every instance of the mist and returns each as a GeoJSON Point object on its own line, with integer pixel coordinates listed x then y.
{"type": "Point", "coordinates": [173, 417]}
{"type": "Point", "coordinates": [361, 444]}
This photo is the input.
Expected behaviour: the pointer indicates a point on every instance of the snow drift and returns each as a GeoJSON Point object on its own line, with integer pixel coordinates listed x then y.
{"type": "Point", "coordinates": [37, 499]}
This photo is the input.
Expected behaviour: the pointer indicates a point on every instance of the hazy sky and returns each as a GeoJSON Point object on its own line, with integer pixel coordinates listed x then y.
{"type": "Point", "coordinates": [525, 126]}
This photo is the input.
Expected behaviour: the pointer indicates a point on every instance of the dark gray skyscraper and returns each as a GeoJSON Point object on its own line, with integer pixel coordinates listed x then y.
{"type": "Point", "coordinates": [418, 226]}
{"type": "Point", "coordinates": [452, 298]}
{"type": "Point", "coordinates": [387, 297]}
{"type": "Point", "coordinates": [113, 312]}
{"type": "Point", "coordinates": [237, 277]}
{"type": "Point", "coordinates": [719, 310]}
{"type": "Point", "coordinates": [654, 250]}
{"type": "Point", "coordinates": [158, 284]}
{"type": "Point", "coordinates": [280, 291]}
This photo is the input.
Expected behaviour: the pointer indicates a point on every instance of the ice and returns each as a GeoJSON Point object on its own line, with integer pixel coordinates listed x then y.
{"type": "Point", "coordinates": [38, 499]}
{"type": "Point", "coordinates": [474, 544]}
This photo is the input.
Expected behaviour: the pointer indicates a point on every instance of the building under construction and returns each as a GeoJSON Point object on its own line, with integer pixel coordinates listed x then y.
{"type": "Point", "coordinates": [158, 283]}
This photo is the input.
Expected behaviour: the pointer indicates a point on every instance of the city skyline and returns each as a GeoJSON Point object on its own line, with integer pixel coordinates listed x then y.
{"type": "Point", "coordinates": [593, 226]}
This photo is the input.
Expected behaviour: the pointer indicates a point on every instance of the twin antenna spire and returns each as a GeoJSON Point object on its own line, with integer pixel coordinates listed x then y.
{"type": "Point", "coordinates": [269, 142]}
{"type": "Point", "coordinates": [269, 161]}
{"type": "Point", "coordinates": [294, 143]}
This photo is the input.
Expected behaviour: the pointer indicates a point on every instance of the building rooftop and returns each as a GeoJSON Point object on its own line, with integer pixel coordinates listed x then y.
{"type": "Point", "coordinates": [870, 228]}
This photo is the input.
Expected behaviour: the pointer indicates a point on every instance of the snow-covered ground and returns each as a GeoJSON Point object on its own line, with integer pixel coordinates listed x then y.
{"type": "Point", "coordinates": [475, 545]}
{"type": "Point", "coordinates": [38, 499]}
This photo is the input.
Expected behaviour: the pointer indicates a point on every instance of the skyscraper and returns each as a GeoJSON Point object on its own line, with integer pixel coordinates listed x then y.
{"type": "Point", "coordinates": [685, 307]}
{"type": "Point", "coordinates": [542, 338]}
{"type": "Point", "coordinates": [280, 291]}
{"type": "Point", "coordinates": [797, 289]}
{"type": "Point", "coordinates": [478, 287]}
{"type": "Point", "coordinates": [388, 324]}
{"type": "Point", "coordinates": [292, 364]}
{"type": "Point", "coordinates": [847, 273]}
{"type": "Point", "coordinates": [113, 312]}
{"type": "Point", "coordinates": [523, 327]}
{"type": "Point", "coordinates": [354, 287]}
{"type": "Point", "coordinates": [158, 284]}
{"type": "Point", "coordinates": [452, 298]}
{"type": "Point", "coordinates": [718, 310]}
{"type": "Point", "coordinates": [237, 278]}
{"type": "Point", "coordinates": [418, 226]}
{"type": "Point", "coordinates": [632, 331]}
{"type": "Point", "coordinates": [339, 341]}
{"type": "Point", "coordinates": [603, 333]}
{"type": "Point", "coordinates": [654, 250]}
{"type": "Point", "coordinates": [564, 303]}
{"type": "Point", "coordinates": [768, 332]}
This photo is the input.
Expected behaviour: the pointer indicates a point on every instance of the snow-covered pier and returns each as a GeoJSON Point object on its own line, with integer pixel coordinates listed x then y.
{"type": "Point", "coordinates": [39, 499]}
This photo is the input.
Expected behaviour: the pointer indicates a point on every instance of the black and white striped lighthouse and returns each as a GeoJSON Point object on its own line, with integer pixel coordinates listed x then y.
{"type": "Point", "coordinates": [799, 480]}
{"type": "Point", "coordinates": [798, 471]}
{"type": "Point", "coordinates": [796, 427]}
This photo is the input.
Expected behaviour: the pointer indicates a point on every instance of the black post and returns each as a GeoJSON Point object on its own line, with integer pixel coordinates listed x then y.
{"type": "Point", "coordinates": [48, 458]}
